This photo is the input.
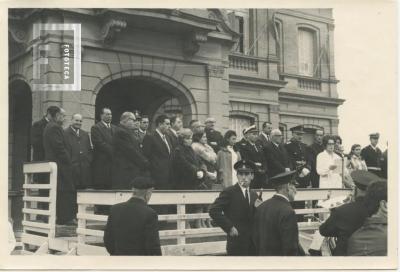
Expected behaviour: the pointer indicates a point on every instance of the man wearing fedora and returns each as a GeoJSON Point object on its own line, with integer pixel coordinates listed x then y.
{"type": "Point", "coordinates": [372, 155]}
{"type": "Point", "coordinates": [234, 209]}
{"type": "Point", "coordinates": [132, 226]}
{"type": "Point", "coordinates": [275, 224]}
{"type": "Point", "coordinates": [346, 219]}
{"type": "Point", "coordinates": [250, 150]}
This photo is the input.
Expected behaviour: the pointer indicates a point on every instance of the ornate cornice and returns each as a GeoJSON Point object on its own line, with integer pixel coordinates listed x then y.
{"type": "Point", "coordinates": [110, 28]}
{"type": "Point", "coordinates": [192, 42]}
{"type": "Point", "coordinates": [215, 71]}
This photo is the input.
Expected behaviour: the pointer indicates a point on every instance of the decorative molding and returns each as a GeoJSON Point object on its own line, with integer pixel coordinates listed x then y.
{"type": "Point", "coordinates": [18, 33]}
{"type": "Point", "coordinates": [215, 71]}
{"type": "Point", "coordinates": [191, 44]}
{"type": "Point", "coordinates": [110, 28]}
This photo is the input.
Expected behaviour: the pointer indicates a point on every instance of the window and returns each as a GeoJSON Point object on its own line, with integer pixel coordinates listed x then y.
{"type": "Point", "coordinates": [238, 123]}
{"type": "Point", "coordinates": [239, 27]}
{"type": "Point", "coordinates": [306, 50]}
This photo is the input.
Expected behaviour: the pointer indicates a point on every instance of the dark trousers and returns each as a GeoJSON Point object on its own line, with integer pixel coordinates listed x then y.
{"type": "Point", "coordinates": [65, 206]}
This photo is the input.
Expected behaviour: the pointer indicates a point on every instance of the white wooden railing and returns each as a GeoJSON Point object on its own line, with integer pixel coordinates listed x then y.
{"type": "Point", "coordinates": [90, 237]}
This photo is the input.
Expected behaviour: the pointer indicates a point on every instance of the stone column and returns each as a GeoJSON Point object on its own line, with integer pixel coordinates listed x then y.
{"type": "Point", "coordinates": [218, 95]}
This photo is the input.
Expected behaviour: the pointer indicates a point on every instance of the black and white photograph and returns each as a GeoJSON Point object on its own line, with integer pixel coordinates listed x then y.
{"type": "Point", "coordinates": [234, 134]}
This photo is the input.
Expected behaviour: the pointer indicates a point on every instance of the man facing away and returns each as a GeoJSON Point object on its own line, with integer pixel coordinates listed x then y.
{"type": "Point", "coordinates": [234, 209]}
{"type": "Point", "coordinates": [132, 226]}
{"type": "Point", "coordinates": [275, 225]}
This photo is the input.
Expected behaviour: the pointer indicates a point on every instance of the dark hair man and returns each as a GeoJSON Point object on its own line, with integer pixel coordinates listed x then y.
{"type": "Point", "coordinates": [372, 155]}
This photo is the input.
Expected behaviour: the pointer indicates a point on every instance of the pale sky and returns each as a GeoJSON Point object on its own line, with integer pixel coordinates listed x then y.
{"type": "Point", "coordinates": [365, 40]}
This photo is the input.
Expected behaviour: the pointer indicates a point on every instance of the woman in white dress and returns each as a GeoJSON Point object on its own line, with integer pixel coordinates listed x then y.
{"type": "Point", "coordinates": [327, 165]}
{"type": "Point", "coordinates": [226, 158]}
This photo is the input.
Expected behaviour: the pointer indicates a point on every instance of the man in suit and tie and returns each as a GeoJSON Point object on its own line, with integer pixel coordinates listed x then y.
{"type": "Point", "coordinates": [313, 150]}
{"type": "Point", "coordinates": [132, 227]}
{"type": "Point", "coordinates": [373, 155]}
{"type": "Point", "coordinates": [55, 149]}
{"type": "Point", "coordinates": [275, 224]}
{"type": "Point", "coordinates": [250, 150]}
{"type": "Point", "coordinates": [233, 211]}
{"type": "Point", "coordinates": [265, 135]}
{"type": "Point", "coordinates": [80, 150]}
{"type": "Point", "coordinates": [277, 158]}
{"type": "Point", "coordinates": [176, 126]}
{"type": "Point", "coordinates": [128, 160]}
{"type": "Point", "coordinates": [158, 150]}
{"type": "Point", "coordinates": [37, 134]}
{"type": "Point", "coordinates": [143, 127]}
{"type": "Point", "coordinates": [101, 134]}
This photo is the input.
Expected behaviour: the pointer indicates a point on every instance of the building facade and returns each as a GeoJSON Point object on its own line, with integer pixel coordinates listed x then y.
{"type": "Point", "coordinates": [242, 66]}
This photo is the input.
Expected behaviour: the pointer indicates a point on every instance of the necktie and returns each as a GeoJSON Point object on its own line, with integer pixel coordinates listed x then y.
{"type": "Point", "coordinates": [166, 143]}
{"type": "Point", "coordinates": [255, 147]}
{"type": "Point", "coordinates": [247, 196]}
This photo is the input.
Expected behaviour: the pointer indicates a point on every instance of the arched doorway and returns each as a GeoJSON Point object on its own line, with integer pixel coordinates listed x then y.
{"type": "Point", "coordinates": [147, 95]}
{"type": "Point", "coordinates": [20, 120]}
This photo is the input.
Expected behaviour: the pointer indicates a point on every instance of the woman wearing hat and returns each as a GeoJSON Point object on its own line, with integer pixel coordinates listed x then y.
{"type": "Point", "coordinates": [327, 165]}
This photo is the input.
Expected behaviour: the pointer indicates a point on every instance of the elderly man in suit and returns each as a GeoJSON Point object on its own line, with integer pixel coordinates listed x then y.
{"type": "Point", "coordinates": [373, 155]}
{"type": "Point", "coordinates": [55, 149]}
{"type": "Point", "coordinates": [128, 160]}
{"type": "Point", "coordinates": [265, 135]}
{"type": "Point", "coordinates": [234, 209]}
{"type": "Point", "coordinates": [158, 150]}
{"type": "Point", "coordinates": [277, 158]}
{"type": "Point", "coordinates": [101, 134]}
{"type": "Point", "coordinates": [132, 226]}
{"type": "Point", "coordinates": [275, 224]}
{"type": "Point", "coordinates": [79, 149]}
{"type": "Point", "coordinates": [214, 137]}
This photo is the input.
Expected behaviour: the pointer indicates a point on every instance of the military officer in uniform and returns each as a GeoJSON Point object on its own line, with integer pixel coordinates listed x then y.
{"type": "Point", "coordinates": [250, 150]}
{"type": "Point", "coordinates": [346, 219]}
{"type": "Point", "coordinates": [372, 155]}
{"type": "Point", "coordinates": [234, 209]}
{"type": "Point", "coordinates": [275, 231]}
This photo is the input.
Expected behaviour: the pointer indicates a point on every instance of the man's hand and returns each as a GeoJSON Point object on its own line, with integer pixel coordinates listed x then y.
{"type": "Point", "coordinates": [233, 232]}
{"type": "Point", "coordinates": [258, 164]}
{"type": "Point", "coordinates": [287, 169]}
{"type": "Point", "coordinates": [200, 174]}
{"type": "Point", "coordinates": [332, 167]}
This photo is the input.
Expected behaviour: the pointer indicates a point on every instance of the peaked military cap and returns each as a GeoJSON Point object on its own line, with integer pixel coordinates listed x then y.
{"type": "Point", "coordinates": [298, 129]}
{"type": "Point", "coordinates": [252, 128]}
{"type": "Point", "coordinates": [142, 183]}
{"type": "Point", "coordinates": [283, 178]}
{"type": "Point", "coordinates": [244, 166]}
{"type": "Point", "coordinates": [363, 178]}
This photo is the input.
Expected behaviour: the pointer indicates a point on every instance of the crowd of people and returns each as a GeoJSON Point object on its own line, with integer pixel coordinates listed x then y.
{"type": "Point", "coordinates": [195, 158]}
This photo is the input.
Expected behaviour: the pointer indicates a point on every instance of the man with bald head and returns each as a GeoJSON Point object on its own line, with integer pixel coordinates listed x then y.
{"type": "Point", "coordinates": [277, 158]}
{"type": "Point", "coordinates": [79, 149]}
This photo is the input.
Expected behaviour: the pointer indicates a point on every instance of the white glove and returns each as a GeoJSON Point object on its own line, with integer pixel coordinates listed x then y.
{"type": "Point", "coordinates": [200, 174]}
{"type": "Point", "coordinates": [212, 175]}
{"type": "Point", "coordinates": [304, 172]}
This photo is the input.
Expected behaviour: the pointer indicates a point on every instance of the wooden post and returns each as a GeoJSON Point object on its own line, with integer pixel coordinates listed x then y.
{"type": "Point", "coordinates": [53, 200]}
{"type": "Point", "coordinates": [82, 223]}
{"type": "Point", "coordinates": [181, 223]}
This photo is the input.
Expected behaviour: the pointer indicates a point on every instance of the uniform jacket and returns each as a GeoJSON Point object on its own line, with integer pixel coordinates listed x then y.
{"type": "Point", "coordinates": [255, 153]}
{"type": "Point", "coordinates": [102, 155]}
{"type": "Point", "coordinates": [55, 149]}
{"type": "Point", "coordinates": [79, 149]}
{"type": "Point", "coordinates": [275, 229]}
{"type": "Point", "coordinates": [231, 209]}
{"type": "Point", "coordinates": [156, 151]}
{"type": "Point", "coordinates": [372, 157]}
{"type": "Point", "coordinates": [370, 239]}
{"type": "Point", "coordinates": [214, 139]}
{"type": "Point", "coordinates": [297, 151]}
{"type": "Point", "coordinates": [132, 229]}
{"type": "Point", "coordinates": [277, 158]}
{"type": "Point", "coordinates": [342, 222]}
{"type": "Point", "coordinates": [37, 139]}
{"type": "Point", "coordinates": [128, 160]}
{"type": "Point", "coordinates": [185, 165]}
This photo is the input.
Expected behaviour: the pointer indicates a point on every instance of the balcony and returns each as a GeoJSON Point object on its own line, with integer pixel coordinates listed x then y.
{"type": "Point", "coordinates": [309, 84]}
{"type": "Point", "coordinates": [242, 62]}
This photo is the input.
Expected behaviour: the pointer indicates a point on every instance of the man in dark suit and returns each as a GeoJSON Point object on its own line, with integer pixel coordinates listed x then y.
{"type": "Point", "coordinates": [277, 157]}
{"type": "Point", "coordinates": [251, 151]}
{"type": "Point", "coordinates": [55, 149]}
{"type": "Point", "coordinates": [372, 155]}
{"type": "Point", "coordinates": [313, 150]}
{"type": "Point", "coordinates": [144, 125]}
{"type": "Point", "coordinates": [214, 137]}
{"type": "Point", "coordinates": [172, 132]}
{"type": "Point", "coordinates": [158, 150]}
{"type": "Point", "coordinates": [234, 209]}
{"type": "Point", "coordinates": [37, 134]}
{"type": "Point", "coordinates": [101, 134]}
{"type": "Point", "coordinates": [128, 160]}
{"type": "Point", "coordinates": [265, 135]}
{"type": "Point", "coordinates": [346, 219]}
{"type": "Point", "coordinates": [132, 226]}
{"type": "Point", "coordinates": [79, 149]}
{"type": "Point", "coordinates": [275, 225]}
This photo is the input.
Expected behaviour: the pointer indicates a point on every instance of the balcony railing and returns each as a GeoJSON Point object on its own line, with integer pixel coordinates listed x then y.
{"type": "Point", "coordinates": [246, 63]}
{"type": "Point", "coordinates": [309, 84]}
